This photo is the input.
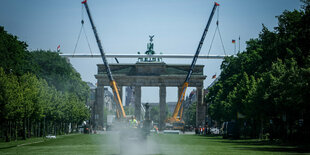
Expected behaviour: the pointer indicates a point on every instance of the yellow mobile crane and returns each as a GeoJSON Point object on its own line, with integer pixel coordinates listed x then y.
{"type": "Point", "coordinates": [176, 121]}
{"type": "Point", "coordinates": [120, 113]}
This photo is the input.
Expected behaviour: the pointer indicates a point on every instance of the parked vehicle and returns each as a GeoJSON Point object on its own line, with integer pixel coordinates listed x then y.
{"type": "Point", "coordinates": [51, 136]}
{"type": "Point", "coordinates": [229, 130]}
{"type": "Point", "coordinates": [214, 131]}
{"type": "Point", "coordinates": [178, 126]}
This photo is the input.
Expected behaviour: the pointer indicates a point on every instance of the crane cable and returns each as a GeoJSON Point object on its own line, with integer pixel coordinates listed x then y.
{"type": "Point", "coordinates": [217, 30]}
{"type": "Point", "coordinates": [82, 29]}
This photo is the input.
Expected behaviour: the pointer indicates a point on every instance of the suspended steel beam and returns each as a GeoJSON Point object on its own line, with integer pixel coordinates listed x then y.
{"type": "Point", "coordinates": [174, 56]}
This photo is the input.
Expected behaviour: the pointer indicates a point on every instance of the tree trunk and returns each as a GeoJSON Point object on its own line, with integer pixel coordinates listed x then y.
{"type": "Point", "coordinates": [16, 131]}
{"type": "Point", "coordinates": [24, 129]}
{"type": "Point", "coordinates": [39, 129]}
{"type": "Point", "coordinates": [55, 129]}
{"type": "Point", "coordinates": [59, 128]}
{"type": "Point", "coordinates": [10, 124]}
{"type": "Point", "coordinates": [35, 129]}
{"type": "Point", "coordinates": [71, 127]}
{"type": "Point", "coordinates": [7, 132]}
{"type": "Point", "coordinates": [261, 129]}
{"type": "Point", "coordinates": [44, 132]}
{"type": "Point", "coordinates": [29, 126]}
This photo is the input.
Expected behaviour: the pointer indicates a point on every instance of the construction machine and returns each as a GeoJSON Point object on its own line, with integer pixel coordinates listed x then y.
{"type": "Point", "coordinates": [120, 113]}
{"type": "Point", "coordinates": [175, 120]}
{"type": "Point", "coordinates": [128, 134]}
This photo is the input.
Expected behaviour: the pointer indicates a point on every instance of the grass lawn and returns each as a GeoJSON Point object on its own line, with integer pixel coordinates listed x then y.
{"type": "Point", "coordinates": [156, 144]}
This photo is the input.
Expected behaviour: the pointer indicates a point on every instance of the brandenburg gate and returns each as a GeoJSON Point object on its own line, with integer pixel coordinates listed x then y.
{"type": "Point", "coordinates": [159, 75]}
{"type": "Point", "coordinates": [151, 72]}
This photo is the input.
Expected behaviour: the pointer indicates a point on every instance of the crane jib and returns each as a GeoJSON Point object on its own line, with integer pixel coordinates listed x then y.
{"type": "Point", "coordinates": [108, 70]}
{"type": "Point", "coordinates": [190, 72]}
{"type": "Point", "coordinates": [200, 44]}
{"type": "Point", "coordinates": [113, 85]}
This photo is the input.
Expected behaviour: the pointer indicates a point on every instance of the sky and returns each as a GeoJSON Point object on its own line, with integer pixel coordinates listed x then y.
{"type": "Point", "coordinates": [124, 27]}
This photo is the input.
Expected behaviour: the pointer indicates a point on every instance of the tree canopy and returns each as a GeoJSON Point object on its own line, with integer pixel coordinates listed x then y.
{"type": "Point", "coordinates": [40, 92]}
{"type": "Point", "coordinates": [268, 83]}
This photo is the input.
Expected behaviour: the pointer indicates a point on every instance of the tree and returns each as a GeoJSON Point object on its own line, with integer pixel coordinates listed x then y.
{"type": "Point", "coordinates": [10, 100]}
{"type": "Point", "coordinates": [13, 54]}
{"type": "Point", "coordinates": [29, 87]}
{"type": "Point", "coordinates": [154, 113]}
{"type": "Point", "coordinates": [59, 73]}
{"type": "Point", "coordinates": [269, 82]}
{"type": "Point", "coordinates": [190, 114]}
{"type": "Point", "coordinates": [40, 92]}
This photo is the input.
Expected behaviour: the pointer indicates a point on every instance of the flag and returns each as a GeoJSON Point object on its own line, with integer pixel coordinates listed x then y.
{"type": "Point", "coordinates": [233, 41]}
{"type": "Point", "coordinates": [214, 76]}
{"type": "Point", "coordinates": [58, 48]}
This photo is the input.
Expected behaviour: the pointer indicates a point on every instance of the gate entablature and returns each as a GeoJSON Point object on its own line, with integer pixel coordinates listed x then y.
{"type": "Point", "coordinates": [151, 74]}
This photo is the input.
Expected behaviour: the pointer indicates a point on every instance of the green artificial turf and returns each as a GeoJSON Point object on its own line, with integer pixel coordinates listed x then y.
{"type": "Point", "coordinates": [110, 144]}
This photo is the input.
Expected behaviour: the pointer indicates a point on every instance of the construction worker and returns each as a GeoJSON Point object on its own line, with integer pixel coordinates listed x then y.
{"type": "Point", "coordinates": [133, 122]}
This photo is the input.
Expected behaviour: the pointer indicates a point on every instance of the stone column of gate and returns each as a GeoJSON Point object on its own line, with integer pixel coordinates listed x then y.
{"type": "Point", "coordinates": [162, 107]}
{"type": "Point", "coordinates": [200, 108]}
{"type": "Point", "coordinates": [99, 121]}
{"type": "Point", "coordinates": [138, 102]}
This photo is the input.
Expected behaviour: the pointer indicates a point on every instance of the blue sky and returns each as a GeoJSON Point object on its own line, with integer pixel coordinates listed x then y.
{"type": "Point", "coordinates": [124, 26]}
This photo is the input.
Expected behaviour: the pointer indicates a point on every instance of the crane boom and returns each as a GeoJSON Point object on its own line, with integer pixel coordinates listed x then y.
{"type": "Point", "coordinates": [120, 109]}
{"type": "Point", "coordinates": [185, 84]}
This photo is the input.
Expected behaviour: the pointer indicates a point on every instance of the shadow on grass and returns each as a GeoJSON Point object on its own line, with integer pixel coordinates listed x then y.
{"type": "Point", "coordinates": [144, 154]}
{"type": "Point", "coordinates": [271, 146]}
{"type": "Point", "coordinates": [276, 149]}
{"type": "Point", "coordinates": [215, 137]}
{"type": "Point", "coordinates": [259, 145]}
{"type": "Point", "coordinates": [7, 147]}
{"type": "Point", "coordinates": [251, 142]}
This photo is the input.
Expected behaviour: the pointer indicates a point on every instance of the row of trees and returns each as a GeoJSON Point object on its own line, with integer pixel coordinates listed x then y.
{"type": "Point", "coordinates": [189, 115]}
{"type": "Point", "coordinates": [265, 89]}
{"type": "Point", "coordinates": [40, 92]}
